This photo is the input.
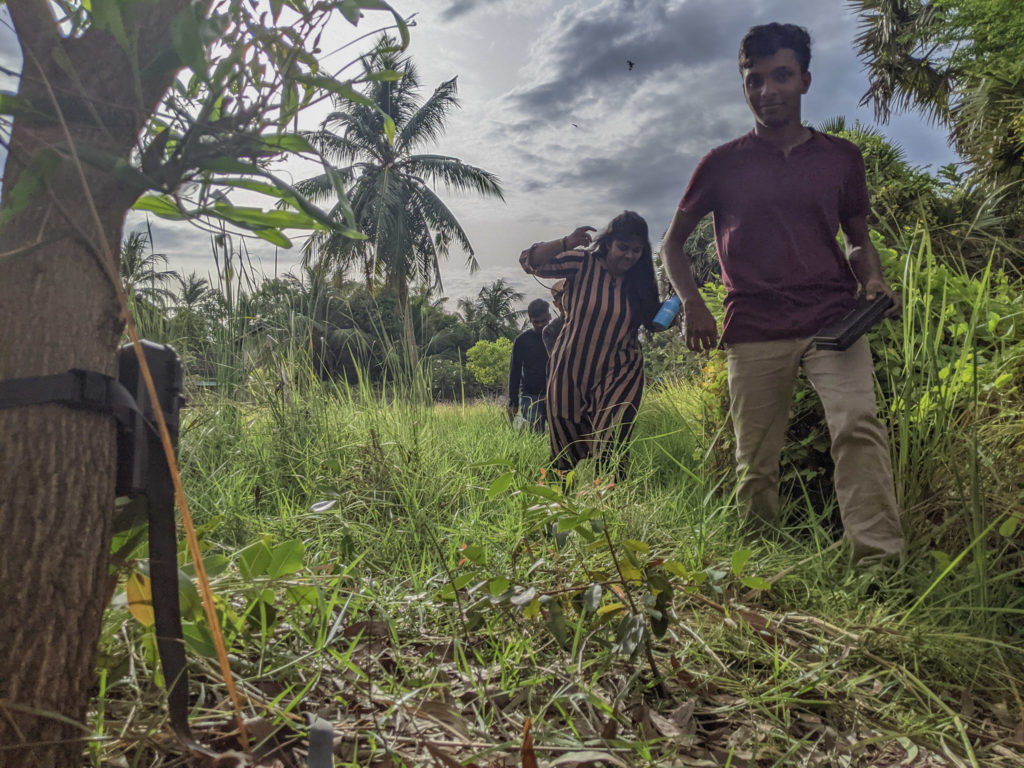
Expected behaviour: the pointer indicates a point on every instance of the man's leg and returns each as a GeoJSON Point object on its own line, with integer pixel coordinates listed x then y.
{"type": "Point", "coordinates": [860, 449]}
{"type": "Point", "coordinates": [529, 407]}
{"type": "Point", "coordinates": [761, 379]}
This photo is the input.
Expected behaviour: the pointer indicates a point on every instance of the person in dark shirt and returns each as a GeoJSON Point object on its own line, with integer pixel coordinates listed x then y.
{"type": "Point", "coordinates": [779, 196]}
{"type": "Point", "coordinates": [552, 329]}
{"type": "Point", "coordinates": [528, 371]}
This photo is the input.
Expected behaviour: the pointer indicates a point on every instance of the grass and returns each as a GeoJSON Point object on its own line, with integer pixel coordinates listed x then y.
{"type": "Point", "coordinates": [385, 563]}
{"type": "Point", "coordinates": [403, 541]}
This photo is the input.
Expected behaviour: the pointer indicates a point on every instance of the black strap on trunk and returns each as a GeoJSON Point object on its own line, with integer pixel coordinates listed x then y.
{"type": "Point", "coordinates": [144, 475]}
{"type": "Point", "coordinates": [75, 388]}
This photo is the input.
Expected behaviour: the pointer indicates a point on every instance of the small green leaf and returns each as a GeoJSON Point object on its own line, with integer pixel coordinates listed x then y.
{"type": "Point", "coordinates": [462, 581]}
{"type": "Point", "coordinates": [556, 623]}
{"type": "Point", "coordinates": [304, 596]}
{"type": "Point", "coordinates": [389, 129]}
{"type": "Point", "coordinates": [286, 558]}
{"type": "Point", "coordinates": [189, 603]}
{"type": "Point", "coordinates": [532, 610]}
{"type": "Point", "coordinates": [275, 236]}
{"type": "Point", "coordinates": [739, 560]}
{"type": "Point", "coordinates": [475, 554]}
{"type": "Point", "coordinates": [755, 582]}
{"type": "Point", "coordinates": [543, 491]}
{"type": "Point", "coordinates": [1009, 526]}
{"type": "Point", "coordinates": [106, 14]}
{"type": "Point", "coordinates": [253, 560]}
{"type": "Point", "coordinates": [676, 569]}
{"type": "Point", "coordinates": [500, 485]}
{"type": "Point", "coordinates": [185, 37]}
{"type": "Point", "coordinates": [161, 205]}
{"type": "Point", "coordinates": [199, 639]}
{"type": "Point", "coordinates": [498, 585]}
{"type": "Point", "coordinates": [38, 174]}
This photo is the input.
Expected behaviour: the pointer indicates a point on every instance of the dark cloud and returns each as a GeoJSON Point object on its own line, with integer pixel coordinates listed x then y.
{"type": "Point", "coordinates": [642, 131]}
{"type": "Point", "coordinates": [586, 54]}
{"type": "Point", "coordinates": [459, 8]}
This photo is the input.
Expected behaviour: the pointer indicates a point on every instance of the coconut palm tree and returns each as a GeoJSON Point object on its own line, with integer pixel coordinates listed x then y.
{"type": "Point", "coordinates": [143, 272]}
{"type": "Point", "coordinates": [492, 313]}
{"type": "Point", "coordinates": [146, 278]}
{"type": "Point", "coordinates": [192, 290]}
{"type": "Point", "coordinates": [371, 147]}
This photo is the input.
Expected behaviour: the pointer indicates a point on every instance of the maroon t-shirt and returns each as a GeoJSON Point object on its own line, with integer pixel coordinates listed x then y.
{"type": "Point", "coordinates": [776, 221]}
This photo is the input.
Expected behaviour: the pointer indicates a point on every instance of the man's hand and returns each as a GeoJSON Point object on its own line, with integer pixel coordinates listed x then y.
{"type": "Point", "coordinates": [579, 238]}
{"type": "Point", "coordinates": [873, 288]}
{"type": "Point", "coordinates": [700, 326]}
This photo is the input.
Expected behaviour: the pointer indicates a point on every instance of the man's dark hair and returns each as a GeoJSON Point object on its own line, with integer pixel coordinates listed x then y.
{"type": "Point", "coordinates": [768, 39]}
{"type": "Point", "coordinates": [536, 308]}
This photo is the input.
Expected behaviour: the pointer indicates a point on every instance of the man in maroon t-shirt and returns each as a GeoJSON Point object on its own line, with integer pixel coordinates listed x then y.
{"type": "Point", "coordinates": [779, 196]}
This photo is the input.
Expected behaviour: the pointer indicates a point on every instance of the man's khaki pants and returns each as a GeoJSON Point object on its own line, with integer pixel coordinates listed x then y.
{"type": "Point", "coordinates": [762, 376]}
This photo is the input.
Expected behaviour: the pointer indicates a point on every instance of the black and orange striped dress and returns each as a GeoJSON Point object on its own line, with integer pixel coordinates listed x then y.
{"type": "Point", "coordinates": [596, 371]}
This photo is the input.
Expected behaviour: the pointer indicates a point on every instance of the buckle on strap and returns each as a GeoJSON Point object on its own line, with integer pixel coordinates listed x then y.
{"type": "Point", "coordinates": [90, 390]}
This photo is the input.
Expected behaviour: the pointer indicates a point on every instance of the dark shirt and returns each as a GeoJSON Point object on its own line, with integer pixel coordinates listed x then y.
{"type": "Point", "coordinates": [528, 369]}
{"type": "Point", "coordinates": [551, 331]}
{"type": "Point", "coordinates": [776, 221]}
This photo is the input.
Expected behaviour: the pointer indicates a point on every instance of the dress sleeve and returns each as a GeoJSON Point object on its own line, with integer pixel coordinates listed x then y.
{"type": "Point", "coordinates": [565, 264]}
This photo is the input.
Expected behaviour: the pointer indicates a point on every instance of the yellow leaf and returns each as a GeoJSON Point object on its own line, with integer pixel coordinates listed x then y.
{"type": "Point", "coordinates": [610, 608]}
{"type": "Point", "coordinates": [629, 572]}
{"type": "Point", "coordinates": [140, 599]}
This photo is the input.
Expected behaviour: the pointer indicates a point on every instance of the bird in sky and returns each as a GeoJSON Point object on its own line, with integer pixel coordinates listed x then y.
{"type": "Point", "coordinates": [631, 64]}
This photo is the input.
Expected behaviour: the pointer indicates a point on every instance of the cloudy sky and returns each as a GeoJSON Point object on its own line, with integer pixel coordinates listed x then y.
{"type": "Point", "coordinates": [550, 105]}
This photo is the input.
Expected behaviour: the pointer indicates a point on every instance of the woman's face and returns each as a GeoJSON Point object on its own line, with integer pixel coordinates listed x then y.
{"type": "Point", "coordinates": [623, 254]}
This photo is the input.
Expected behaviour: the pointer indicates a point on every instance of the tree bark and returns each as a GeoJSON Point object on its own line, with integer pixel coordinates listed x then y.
{"type": "Point", "coordinates": [58, 310]}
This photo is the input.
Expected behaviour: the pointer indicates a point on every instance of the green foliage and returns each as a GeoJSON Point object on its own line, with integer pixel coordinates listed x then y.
{"type": "Point", "coordinates": [957, 61]}
{"type": "Point", "coordinates": [489, 361]}
{"type": "Point", "coordinates": [492, 314]}
{"type": "Point", "coordinates": [350, 528]}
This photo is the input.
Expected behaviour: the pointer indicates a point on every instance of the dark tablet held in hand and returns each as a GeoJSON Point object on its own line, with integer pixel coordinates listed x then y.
{"type": "Point", "coordinates": [841, 334]}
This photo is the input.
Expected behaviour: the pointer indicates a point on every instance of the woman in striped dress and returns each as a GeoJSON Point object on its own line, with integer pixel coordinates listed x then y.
{"type": "Point", "coordinates": [595, 373]}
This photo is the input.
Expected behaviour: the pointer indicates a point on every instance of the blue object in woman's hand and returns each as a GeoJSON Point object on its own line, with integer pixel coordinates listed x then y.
{"type": "Point", "coordinates": [667, 313]}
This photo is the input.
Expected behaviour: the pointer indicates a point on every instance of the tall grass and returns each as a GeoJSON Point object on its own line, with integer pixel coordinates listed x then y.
{"type": "Point", "coordinates": [360, 537]}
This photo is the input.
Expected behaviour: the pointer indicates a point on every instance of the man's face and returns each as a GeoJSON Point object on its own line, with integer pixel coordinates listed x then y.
{"type": "Point", "coordinates": [773, 87]}
{"type": "Point", "coordinates": [540, 321]}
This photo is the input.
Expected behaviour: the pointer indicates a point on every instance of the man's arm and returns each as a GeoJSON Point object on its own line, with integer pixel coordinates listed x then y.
{"type": "Point", "coordinates": [865, 262]}
{"type": "Point", "coordinates": [701, 326]}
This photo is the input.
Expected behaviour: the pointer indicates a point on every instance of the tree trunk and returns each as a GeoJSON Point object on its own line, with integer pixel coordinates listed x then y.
{"type": "Point", "coordinates": [56, 503]}
{"type": "Point", "coordinates": [58, 310]}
